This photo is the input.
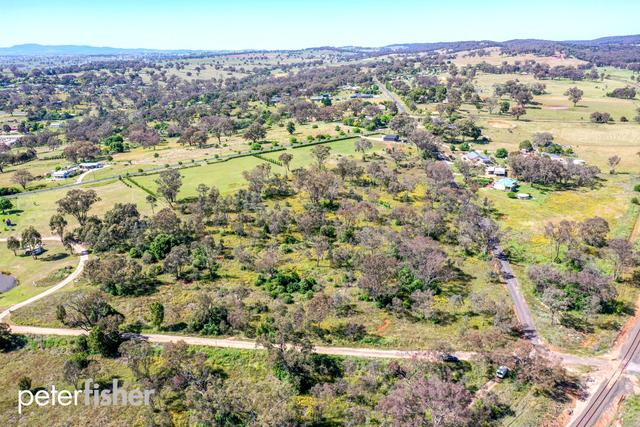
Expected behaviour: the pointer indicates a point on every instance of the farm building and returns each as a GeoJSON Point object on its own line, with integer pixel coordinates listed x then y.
{"type": "Point", "coordinates": [65, 173]}
{"type": "Point", "coordinates": [361, 95]}
{"type": "Point", "coordinates": [92, 165]}
{"type": "Point", "coordinates": [395, 138]}
{"type": "Point", "coordinates": [497, 171]}
{"type": "Point", "coordinates": [321, 98]}
{"type": "Point", "coordinates": [505, 184]}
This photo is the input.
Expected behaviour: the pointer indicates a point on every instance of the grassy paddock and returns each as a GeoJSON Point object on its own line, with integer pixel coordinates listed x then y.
{"type": "Point", "coordinates": [36, 209]}
{"type": "Point", "coordinates": [34, 275]}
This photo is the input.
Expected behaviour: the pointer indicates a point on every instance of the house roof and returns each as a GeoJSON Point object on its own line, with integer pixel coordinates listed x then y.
{"type": "Point", "coordinates": [473, 155]}
{"type": "Point", "coordinates": [507, 182]}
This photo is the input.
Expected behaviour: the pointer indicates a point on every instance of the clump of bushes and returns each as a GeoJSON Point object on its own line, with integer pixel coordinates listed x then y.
{"type": "Point", "coordinates": [284, 284]}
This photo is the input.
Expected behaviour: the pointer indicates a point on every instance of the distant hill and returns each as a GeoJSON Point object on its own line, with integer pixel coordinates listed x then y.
{"type": "Point", "coordinates": [629, 45]}
{"type": "Point", "coordinates": [33, 49]}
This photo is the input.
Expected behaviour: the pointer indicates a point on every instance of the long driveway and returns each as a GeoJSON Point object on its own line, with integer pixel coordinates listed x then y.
{"type": "Point", "coordinates": [520, 304]}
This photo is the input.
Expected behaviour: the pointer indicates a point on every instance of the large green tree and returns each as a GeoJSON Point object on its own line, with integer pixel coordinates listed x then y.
{"type": "Point", "coordinates": [31, 240]}
{"type": "Point", "coordinates": [77, 204]}
{"type": "Point", "coordinates": [169, 183]}
{"type": "Point", "coordinates": [57, 223]}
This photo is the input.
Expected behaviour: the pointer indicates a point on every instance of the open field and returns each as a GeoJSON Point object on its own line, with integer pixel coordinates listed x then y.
{"type": "Point", "coordinates": [555, 106]}
{"type": "Point", "coordinates": [170, 152]}
{"type": "Point", "coordinates": [525, 219]}
{"type": "Point", "coordinates": [630, 411]}
{"type": "Point", "coordinates": [496, 58]}
{"type": "Point", "coordinates": [590, 142]}
{"type": "Point", "coordinates": [227, 176]}
{"type": "Point", "coordinates": [36, 209]}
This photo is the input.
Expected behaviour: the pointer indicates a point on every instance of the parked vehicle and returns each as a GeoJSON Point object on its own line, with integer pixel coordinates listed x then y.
{"type": "Point", "coordinates": [450, 358]}
{"type": "Point", "coordinates": [502, 372]}
{"type": "Point", "coordinates": [37, 251]}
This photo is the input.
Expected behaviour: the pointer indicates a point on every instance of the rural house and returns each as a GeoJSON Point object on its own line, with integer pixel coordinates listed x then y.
{"type": "Point", "coordinates": [476, 157]}
{"type": "Point", "coordinates": [505, 184]}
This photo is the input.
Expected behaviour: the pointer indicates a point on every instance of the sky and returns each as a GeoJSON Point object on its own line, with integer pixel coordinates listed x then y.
{"type": "Point", "coordinates": [288, 24]}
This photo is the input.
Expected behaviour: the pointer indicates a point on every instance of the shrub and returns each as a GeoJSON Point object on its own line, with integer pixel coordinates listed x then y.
{"type": "Point", "coordinates": [24, 383]}
{"type": "Point", "coordinates": [526, 145]}
{"type": "Point", "coordinates": [627, 92]}
{"type": "Point", "coordinates": [636, 187]}
{"type": "Point", "coordinates": [598, 117]}
{"type": "Point", "coordinates": [501, 153]}
{"type": "Point", "coordinates": [511, 195]}
{"type": "Point", "coordinates": [6, 191]}
{"type": "Point", "coordinates": [284, 284]}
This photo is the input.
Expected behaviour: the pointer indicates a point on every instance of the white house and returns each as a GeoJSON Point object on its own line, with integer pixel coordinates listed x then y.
{"type": "Point", "coordinates": [495, 170]}
{"type": "Point", "coordinates": [505, 184]}
{"type": "Point", "coordinates": [500, 171]}
{"type": "Point", "coordinates": [92, 165]}
{"type": "Point", "coordinates": [65, 173]}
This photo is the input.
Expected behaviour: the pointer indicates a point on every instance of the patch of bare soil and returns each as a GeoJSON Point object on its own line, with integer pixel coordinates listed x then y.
{"type": "Point", "coordinates": [384, 326]}
{"type": "Point", "coordinates": [501, 124]}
